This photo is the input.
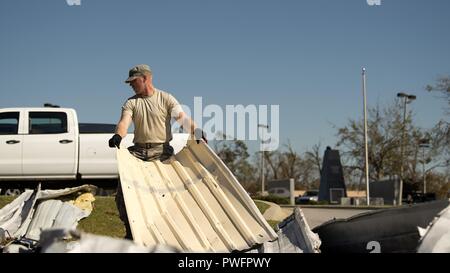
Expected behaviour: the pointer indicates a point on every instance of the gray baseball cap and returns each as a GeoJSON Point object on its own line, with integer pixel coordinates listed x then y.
{"type": "Point", "coordinates": [138, 71]}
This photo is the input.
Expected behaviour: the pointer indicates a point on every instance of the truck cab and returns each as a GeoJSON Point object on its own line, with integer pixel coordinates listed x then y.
{"type": "Point", "coordinates": [50, 144]}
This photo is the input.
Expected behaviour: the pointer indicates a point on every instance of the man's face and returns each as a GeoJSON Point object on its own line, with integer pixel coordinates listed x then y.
{"type": "Point", "coordinates": [138, 85]}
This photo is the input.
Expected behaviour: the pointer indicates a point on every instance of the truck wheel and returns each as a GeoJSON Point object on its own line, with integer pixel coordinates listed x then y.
{"type": "Point", "coordinates": [12, 192]}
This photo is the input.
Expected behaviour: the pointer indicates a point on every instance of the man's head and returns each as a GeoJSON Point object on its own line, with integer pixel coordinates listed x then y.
{"type": "Point", "coordinates": [140, 79]}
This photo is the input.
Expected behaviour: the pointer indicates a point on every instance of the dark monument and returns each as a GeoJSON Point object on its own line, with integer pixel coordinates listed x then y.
{"type": "Point", "coordinates": [332, 185]}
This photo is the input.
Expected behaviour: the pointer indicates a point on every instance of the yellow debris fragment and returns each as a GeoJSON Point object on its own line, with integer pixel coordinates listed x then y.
{"type": "Point", "coordinates": [84, 202]}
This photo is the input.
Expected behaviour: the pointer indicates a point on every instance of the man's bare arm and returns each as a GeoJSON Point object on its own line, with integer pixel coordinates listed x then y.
{"type": "Point", "coordinates": [190, 127]}
{"type": "Point", "coordinates": [124, 123]}
{"type": "Point", "coordinates": [187, 123]}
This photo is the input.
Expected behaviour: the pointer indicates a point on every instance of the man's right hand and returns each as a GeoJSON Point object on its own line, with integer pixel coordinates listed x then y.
{"type": "Point", "coordinates": [115, 141]}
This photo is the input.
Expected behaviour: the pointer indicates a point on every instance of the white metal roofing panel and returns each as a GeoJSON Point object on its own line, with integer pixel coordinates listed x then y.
{"type": "Point", "coordinates": [294, 236]}
{"type": "Point", "coordinates": [34, 211]}
{"type": "Point", "coordinates": [11, 215]}
{"type": "Point", "coordinates": [437, 236]}
{"type": "Point", "coordinates": [191, 201]}
{"type": "Point", "coordinates": [54, 214]}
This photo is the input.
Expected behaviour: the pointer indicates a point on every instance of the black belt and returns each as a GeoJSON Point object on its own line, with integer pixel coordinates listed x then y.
{"type": "Point", "coordinates": [148, 145]}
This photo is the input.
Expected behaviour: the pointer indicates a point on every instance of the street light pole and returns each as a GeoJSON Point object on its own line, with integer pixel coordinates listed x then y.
{"type": "Point", "coordinates": [264, 126]}
{"type": "Point", "coordinates": [366, 149]}
{"type": "Point", "coordinates": [407, 99]}
{"type": "Point", "coordinates": [424, 143]}
{"type": "Point", "coordinates": [400, 198]}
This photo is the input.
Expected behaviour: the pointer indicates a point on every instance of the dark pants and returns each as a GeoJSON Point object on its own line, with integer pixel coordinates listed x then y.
{"type": "Point", "coordinates": [120, 203]}
{"type": "Point", "coordinates": [158, 152]}
{"type": "Point", "coordinates": [150, 153]}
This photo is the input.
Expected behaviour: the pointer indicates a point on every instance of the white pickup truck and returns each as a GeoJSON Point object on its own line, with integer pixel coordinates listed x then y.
{"type": "Point", "coordinates": [38, 144]}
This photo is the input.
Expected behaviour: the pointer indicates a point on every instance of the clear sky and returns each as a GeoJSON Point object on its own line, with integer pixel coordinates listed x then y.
{"type": "Point", "coordinates": [303, 55]}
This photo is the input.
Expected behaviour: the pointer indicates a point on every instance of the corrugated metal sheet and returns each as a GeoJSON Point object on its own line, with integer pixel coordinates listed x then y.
{"type": "Point", "coordinates": [294, 236]}
{"type": "Point", "coordinates": [34, 211]}
{"type": "Point", "coordinates": [54, 214]}
{"type": "Point", "coordinates": [192, 202]}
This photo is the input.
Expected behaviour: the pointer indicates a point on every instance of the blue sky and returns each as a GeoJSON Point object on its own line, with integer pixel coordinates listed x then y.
{"type": "Point", "coordinates": [305, 56]}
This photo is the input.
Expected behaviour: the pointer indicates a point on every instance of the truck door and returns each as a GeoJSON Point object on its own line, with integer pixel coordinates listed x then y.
{"type": "Point", "coordinates": [10, 144]}
{"type": "Point", "coordinates": [49, 148]}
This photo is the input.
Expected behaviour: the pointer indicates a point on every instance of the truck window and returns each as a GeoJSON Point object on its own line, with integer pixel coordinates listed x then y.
{"type": "Point", "coordinates": [9, 123]}
{"type": "Point", "coordinates": [47, 123]}
{"type": "Point", "coordinates": [96, 128]}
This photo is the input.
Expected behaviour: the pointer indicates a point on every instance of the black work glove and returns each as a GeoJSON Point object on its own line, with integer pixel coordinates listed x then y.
{"type": "Point", "coordinates": [115, 141]}
{"type": "Point", "coordinates": [199, 134]}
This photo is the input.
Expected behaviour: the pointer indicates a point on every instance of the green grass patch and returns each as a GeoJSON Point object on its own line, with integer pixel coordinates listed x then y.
{"type": "Point", "coordinates": [104, 219]}
{"type": "Point", "coordinates": [5, 200]}
{"type": "Point", "coordinates": [261, 206]}
{"type": "Point", "coordinates": [273, 223]}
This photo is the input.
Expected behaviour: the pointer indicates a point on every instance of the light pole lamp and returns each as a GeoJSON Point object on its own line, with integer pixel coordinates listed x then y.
{"type": "Point", "coordinates": [264, 126]}
{"type": "Point", "coordinates": [424, 143]}
{"type": "Point", "coordinates": [407, 98]}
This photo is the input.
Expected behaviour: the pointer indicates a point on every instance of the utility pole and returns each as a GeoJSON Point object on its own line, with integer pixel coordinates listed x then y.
{"type": "Point", "coordinates": [366, 149]}
{"type": "Point", "coordinates": [406, 99]}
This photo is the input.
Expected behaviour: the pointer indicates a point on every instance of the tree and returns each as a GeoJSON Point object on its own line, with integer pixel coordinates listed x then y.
{"type": "Point", "coordinates": [440, 142]}
{"type": "Point", "coordinates": [384, 141]}
{"type": "Point", "coordinates": [297, 166]}
{"type": "Point", "coordinates": [314, 157]}
{"type": "Point", "coordinates": [285, 164]}
{"type": "Point", "coordinates": [436, 157]}
{"type": "Point", "coordinates": [441, 132]}
{"type": "Point", "coordinates": [313, 164]}
{"type": "Point", "coordinates": [442, 85]}
{"type": "Point", "coordinates": [273, 161]}
{"type": "Point", "coordinates": [235, 155]}
{"type": "Point", "coordinates": [442, 128]}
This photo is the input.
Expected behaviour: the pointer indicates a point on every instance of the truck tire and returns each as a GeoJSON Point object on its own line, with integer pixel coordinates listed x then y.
{"type": "Point", "coordinates": [12, 192]}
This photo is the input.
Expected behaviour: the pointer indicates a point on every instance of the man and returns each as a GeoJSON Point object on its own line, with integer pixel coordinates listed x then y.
{"type": "Point", "coordinates": [151, 111]}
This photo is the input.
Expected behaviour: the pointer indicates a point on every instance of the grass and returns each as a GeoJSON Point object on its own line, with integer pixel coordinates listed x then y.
{"type": "Point", "coordinates": [261, 206]}
{"type": "Point", "coordinates": [5, 200]}
{"type": "Point", "coordinates": [104, 219]}
{"type": "Point", "coordinates": [273, 223]}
